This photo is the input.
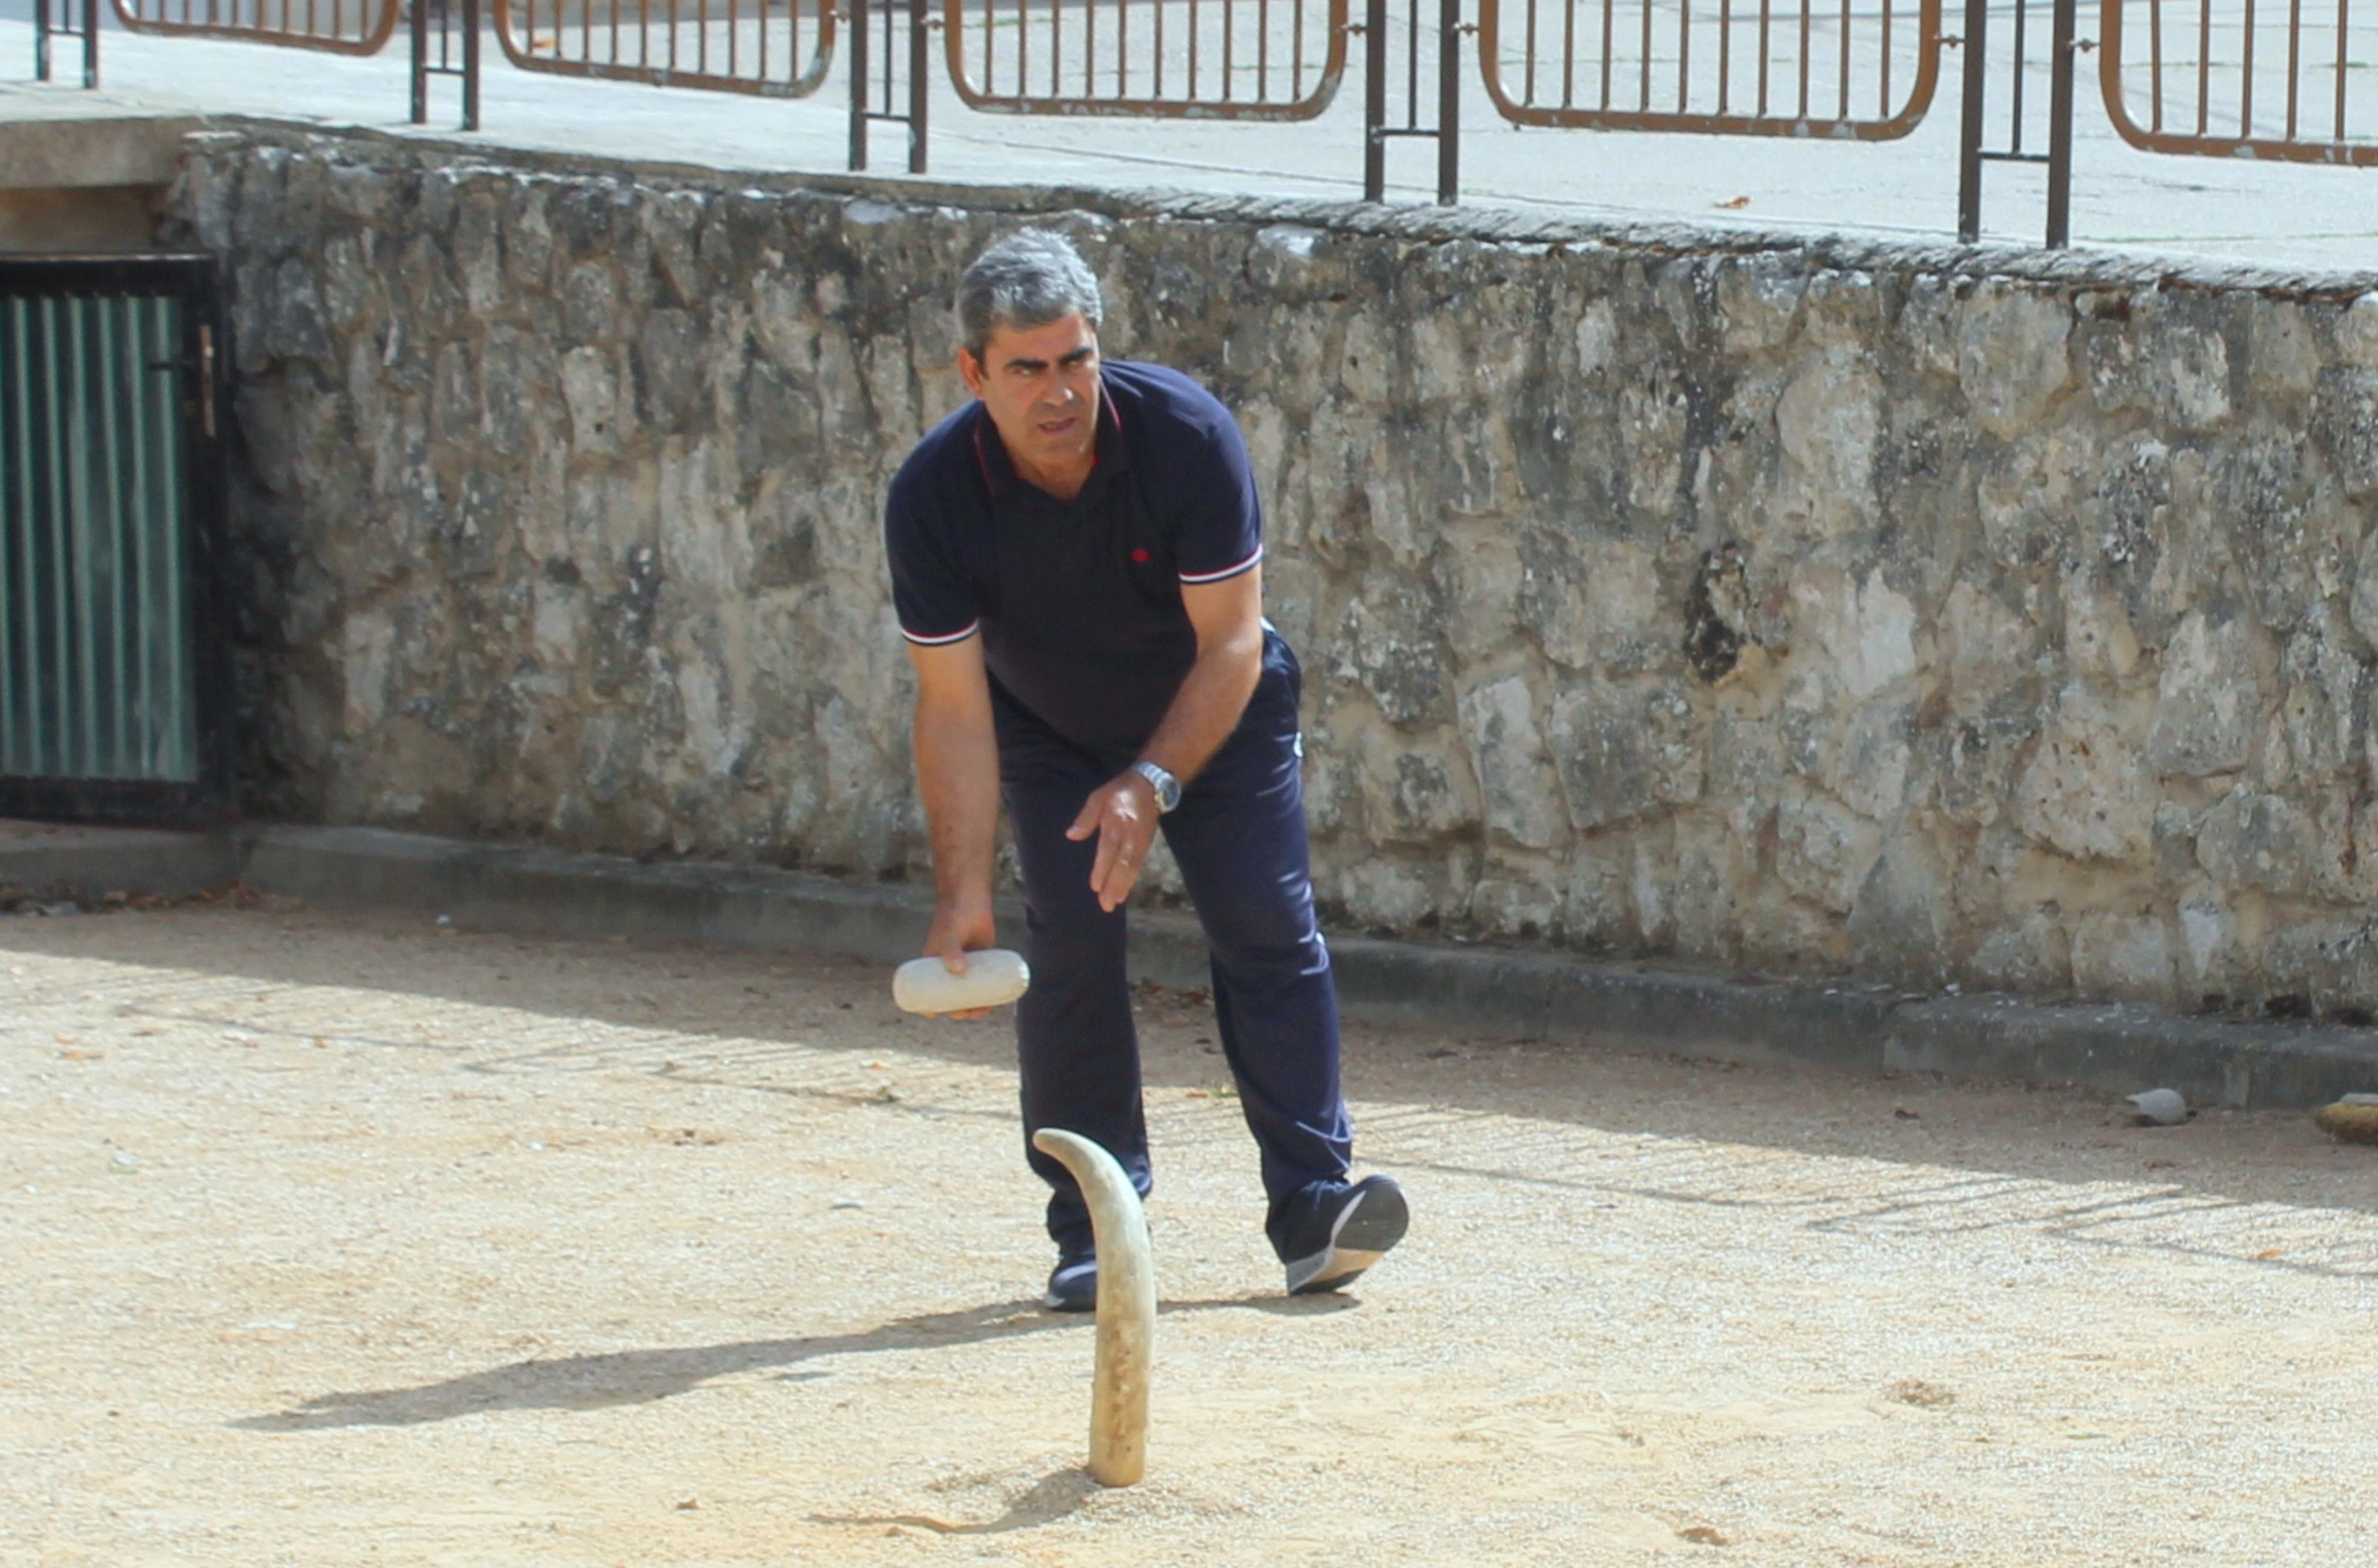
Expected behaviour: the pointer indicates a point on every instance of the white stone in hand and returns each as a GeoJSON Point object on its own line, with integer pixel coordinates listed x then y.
{"type": "Point", "coordinates": [993, 976]}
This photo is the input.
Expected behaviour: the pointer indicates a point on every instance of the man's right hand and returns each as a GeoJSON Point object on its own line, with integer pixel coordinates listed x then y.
{"type": "Point", "coordinates": [957, 775]}
{"type": "Point", "coordinates": [958, 929]}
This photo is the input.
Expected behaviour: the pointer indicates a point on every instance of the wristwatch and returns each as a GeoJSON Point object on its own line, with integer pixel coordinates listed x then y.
{"type": "Point", "coordinates": [1167, 787]}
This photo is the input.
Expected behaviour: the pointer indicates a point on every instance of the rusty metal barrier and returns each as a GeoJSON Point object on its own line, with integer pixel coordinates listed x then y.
{"type": "Point", "coordinates": [2241, 79]}
{"type": "Point", "coordinates": [765, 48]}
{"type": "Point", "coordinates": [1193, 59]}
{"type": "Point", "coordinates": [336, 26]}
{"type": "Point", "coordinates": [1862, 70]}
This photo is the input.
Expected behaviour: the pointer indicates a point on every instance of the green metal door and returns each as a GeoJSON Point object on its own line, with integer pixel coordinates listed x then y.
{"type": "Point", "coordinates": [108, 480]}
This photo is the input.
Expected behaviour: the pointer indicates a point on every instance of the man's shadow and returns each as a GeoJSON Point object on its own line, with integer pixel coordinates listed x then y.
{"type": "Point", "coordinates": [639, 1377]}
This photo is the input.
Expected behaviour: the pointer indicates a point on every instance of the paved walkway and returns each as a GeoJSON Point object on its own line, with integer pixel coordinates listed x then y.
{"type": "Point", "coordinates": [2280, 216]}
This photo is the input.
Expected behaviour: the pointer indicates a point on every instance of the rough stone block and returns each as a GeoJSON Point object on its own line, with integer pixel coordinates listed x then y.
{"type": "Point", "coordinates": [1823, 850]}
{"type": "Point", "coordinates": [1598, 908]}
{"type": "Point", "coordinates": [2356, 328]}
{"type": "Point", "coordinates": [2210, 700]}
{"type": "Point", "coordinates": [2026, 952]}
{"type": "Point", "coordinates": [2254, 840]}
{"type": "Point", "coordinates": [1871, 773]}
{"type": "Point", "coordinates": [1409, 795]}
{"type": "Point", "coordinates": [292, 309]}
{"type": "Point", "coordinates": [2345, 423]}
{"type": "Point", "coordinates": [1389, 642]}
{"type": "Point", "coordinates": [2211, 961]}
{"type": "Point", "coordinates": [1829, 423]}
{"type": "Point", "coordinates": [1989, 646]}
{"type": "Point", "coordinates": [2122, 956]}
{"type": "Point", "coordinates": [1515, 776]}
{"type": "Point", "coordinates": [2097, 636]}
{"type": "Point", "coordinates": [1524, 907]}
{"type": "Point", "coordinates": [1627, 749]}
{"type": "Point", "coordinates": [1757, 300]}
{"type": "Point", "coordinates": [1902, 917]}
{"type": "Point", "coordinates": [1598, 603]}
{"type": "Point", "coordinates": [2083, 792]}
{"type": "Point", "coordinates": [1860, 630]}
{"type": "Point", "coordinates": [2013, 356]}
{"type": "Point", "coordinates": [672, 361]}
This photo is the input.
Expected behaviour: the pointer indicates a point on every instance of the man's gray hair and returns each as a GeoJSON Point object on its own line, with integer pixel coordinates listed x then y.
{"type": "Point", "coordinates": [1027, 279]}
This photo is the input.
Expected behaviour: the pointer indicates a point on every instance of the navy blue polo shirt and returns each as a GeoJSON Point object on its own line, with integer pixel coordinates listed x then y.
{"type": "Point", "coordinates": [1079, 603]}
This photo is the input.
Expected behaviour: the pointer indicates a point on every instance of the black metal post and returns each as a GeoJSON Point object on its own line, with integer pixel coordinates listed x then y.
{"type": "Point", "coordinates": [2059, 127]}
{"type": "Point", "coordinates": [42, 39]}
{"type": "Point", "coordinates": [920, 78]}
{"type": "Point", "coordinates": [471, 64]}
{"type": "Point", "coordinates": [855, 22]}
{"type": "Point", "coordinates": [1969, 146]}
{"type": "Point", "coordinates": [1448, 103]}
{"type": "Point", "coordinates": [1375, 102]}
{"type": "Point", "coordinates": [420, 62]}
{"type": "Point", "coordinates": [89, 44]}
{"type": "Point", "coordinates": [426, 66]}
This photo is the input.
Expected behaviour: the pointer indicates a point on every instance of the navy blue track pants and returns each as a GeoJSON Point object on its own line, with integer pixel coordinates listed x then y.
{"type": "Point", "coordinates": [1238, 836]}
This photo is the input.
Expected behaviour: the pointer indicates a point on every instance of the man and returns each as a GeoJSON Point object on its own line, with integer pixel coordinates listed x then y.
{"type": "Point", "coordinates": [1076, 566]}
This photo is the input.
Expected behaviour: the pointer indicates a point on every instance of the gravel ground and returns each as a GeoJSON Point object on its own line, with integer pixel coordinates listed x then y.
{"type": "Point", "coordinates": [331, 1241]}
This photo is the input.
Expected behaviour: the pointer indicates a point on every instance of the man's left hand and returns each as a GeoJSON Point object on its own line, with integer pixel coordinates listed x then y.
{"type": "Point", "coordinates": [1122, 814]}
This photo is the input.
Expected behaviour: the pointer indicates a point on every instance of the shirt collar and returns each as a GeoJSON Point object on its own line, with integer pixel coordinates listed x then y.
{"type": "Point", "coordinates": [1114, 452]}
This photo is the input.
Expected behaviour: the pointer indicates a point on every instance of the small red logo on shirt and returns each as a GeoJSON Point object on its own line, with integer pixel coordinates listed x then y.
{"type": "Point", "coordinates": [1140, 556]}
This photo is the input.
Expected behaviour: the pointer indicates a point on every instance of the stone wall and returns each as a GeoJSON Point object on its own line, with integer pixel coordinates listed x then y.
{"type": "Point", "coordinates": [1928, 616]}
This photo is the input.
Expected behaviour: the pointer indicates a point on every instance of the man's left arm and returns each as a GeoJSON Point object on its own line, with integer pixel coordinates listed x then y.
{"type": "Point", "coordinates": [1228, 618]}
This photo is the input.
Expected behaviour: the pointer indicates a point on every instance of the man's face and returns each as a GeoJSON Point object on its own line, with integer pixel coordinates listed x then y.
{"type": "Point", "coordinates": [1041, 386]}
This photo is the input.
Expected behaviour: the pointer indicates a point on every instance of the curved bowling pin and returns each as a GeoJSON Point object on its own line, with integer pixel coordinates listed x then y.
{"type": "Point", "coordinates": [1126, 1313]}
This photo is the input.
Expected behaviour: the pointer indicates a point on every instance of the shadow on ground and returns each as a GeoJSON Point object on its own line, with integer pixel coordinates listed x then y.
{"type": "Point", "coordinates": [1048, 1500]}
{"type": "Point", "coordinates": [614, 1378]}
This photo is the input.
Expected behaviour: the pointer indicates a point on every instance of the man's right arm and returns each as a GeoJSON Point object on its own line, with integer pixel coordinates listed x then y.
{"type": "Point", "coordinates": [957, 775]}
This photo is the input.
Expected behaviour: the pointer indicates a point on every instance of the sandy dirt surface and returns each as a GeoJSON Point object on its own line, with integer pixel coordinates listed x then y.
{"type": "Point", "coordinates": [331, 1242]}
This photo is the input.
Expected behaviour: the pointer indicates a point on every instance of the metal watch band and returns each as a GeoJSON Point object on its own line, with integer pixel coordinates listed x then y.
{"type": "Point", "coordinates": [1167, 787]}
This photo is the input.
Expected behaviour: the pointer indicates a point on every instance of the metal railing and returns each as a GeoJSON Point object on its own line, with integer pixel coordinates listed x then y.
{"type": "Point", "coordinates": [336, 26]}
{"type": "Point", "coordinates": [445, 43]}
{"type": "Point", "coordinates": [1422, 53]}
{"type": "Point", "coordinates": [893, 87]}
{"type": "Point", "coordinates": [54, 18]}
{"type": "Point", "coordinates": [766, 48]}
{"type": "Point", "coordinates": [2284, 79]}
{"type": "Point", "coordinates": [1205, 59]}
{"type": "Point", "coordinates": [2273, 79]}
{"type": "Point", "coordinates": [2026, 115]}
{"type": "Point", "coordinates": [1859, 69]}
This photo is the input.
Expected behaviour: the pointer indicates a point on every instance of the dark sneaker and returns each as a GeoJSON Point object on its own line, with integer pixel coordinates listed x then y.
{"type": "Point", "coordinates": [1073, 1285]}
{"type": "Point", "coordinates": [1342, 1231]}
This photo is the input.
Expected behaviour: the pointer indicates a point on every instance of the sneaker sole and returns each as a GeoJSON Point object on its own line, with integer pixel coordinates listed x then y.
{"type": "Point", "coordinates": [1370, 1225]}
